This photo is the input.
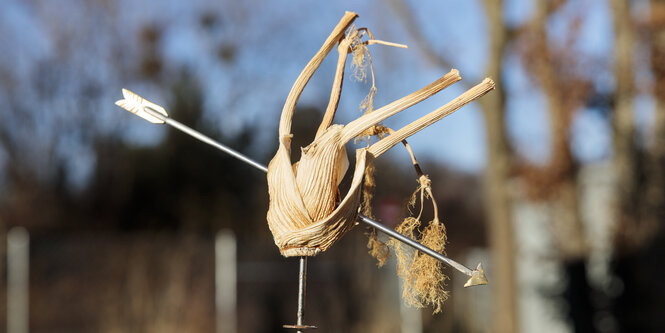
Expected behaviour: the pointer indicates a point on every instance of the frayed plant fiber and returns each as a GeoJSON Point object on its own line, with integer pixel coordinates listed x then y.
{"type": "Point", "coordinates": [404, 254]}
{"type": "Point", "coordinates": [424, 283]}
{"type": "Point", "coordinates": [360, 53]}
{"type": "Point", "coordinates": [422, 276]}
{"type": "Point", "coordinates": [369, 184]}
{"type": "Point", "coordinates": [377, 249]}
{"type": "Point", "coordinates": [360, 61]}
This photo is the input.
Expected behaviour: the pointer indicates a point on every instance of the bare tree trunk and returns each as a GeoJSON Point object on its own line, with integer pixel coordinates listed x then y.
{"type": "Point", "coordinates": [504, 297]}
{"type": "Point", "coordinates": [568, 228]}
{"type": "Point", "coordinates": [640, 236]}
{"type": "Point", "coordinates": [654, 213]}
{"type": "Point", "coordinates": [565, 92]}
{"type": "Point", "coordinates": [623, 122]}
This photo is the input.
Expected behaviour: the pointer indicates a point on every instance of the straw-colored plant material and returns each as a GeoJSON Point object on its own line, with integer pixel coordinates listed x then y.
{"type": "Point", "coordinates": [423, 283]}
{"type": "Point", "coordinates": [404, 254]}
{"type": "Point", "coordinates": [377, 248]}
{"type": "Point", "coordinates": [422, 276]}
{"type": "Point", "coordinates": [307, 213]}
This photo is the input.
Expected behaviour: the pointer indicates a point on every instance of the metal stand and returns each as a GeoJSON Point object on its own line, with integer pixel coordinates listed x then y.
{"type": "Point", "coordinates": [302, 286]}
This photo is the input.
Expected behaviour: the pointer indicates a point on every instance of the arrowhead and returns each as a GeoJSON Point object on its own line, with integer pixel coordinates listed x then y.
{"type": "Point", "coordinates": [477, 277]}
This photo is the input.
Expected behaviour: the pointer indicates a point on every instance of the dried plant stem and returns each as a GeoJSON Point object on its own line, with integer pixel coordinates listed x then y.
{"type": "Point", "coordinates": [422, 179]}
{"type": "Point", "coordinates": [386, 143]}
{"type": "Point", "coordinates": [308, 71]}
{"type": "Point", "coordinates": [359, 125]}
{"type": "Point", "coordinates": [381, 42]}
{"type": "Point", "coordinates": [343, 50]}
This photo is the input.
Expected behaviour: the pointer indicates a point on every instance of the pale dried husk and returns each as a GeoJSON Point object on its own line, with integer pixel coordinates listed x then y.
{"type": "Point", "coordinates": [302, 215]}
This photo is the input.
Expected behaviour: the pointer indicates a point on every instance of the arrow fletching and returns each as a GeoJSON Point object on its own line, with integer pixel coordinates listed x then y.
{"type": "Point", "coordinates": [137, 105]}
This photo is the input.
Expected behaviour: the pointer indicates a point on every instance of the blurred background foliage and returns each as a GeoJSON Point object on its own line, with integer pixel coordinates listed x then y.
{"type": "Point", "coordinates": [556, 180]}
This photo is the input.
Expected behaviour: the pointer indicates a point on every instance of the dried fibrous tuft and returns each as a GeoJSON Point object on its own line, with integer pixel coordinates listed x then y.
{"type": "Point", "coordinates": [425, 281]}
{"type": "Point", "coordinates": [377, 249]}
{"type": "Point", "coordinates": [404, 254]}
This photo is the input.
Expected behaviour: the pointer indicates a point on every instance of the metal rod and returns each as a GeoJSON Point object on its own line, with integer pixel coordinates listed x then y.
{"type": "Point", "coordinates": [302, 285]}
{"type": "Point", "coordinates": [302, 291]}
{"type": "Point", "coordinates": [201, 137]}
{"type": "Point", "coordinates": [394, 234]}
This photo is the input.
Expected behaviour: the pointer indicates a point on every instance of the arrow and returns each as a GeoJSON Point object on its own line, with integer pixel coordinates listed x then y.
{"type": "Point", "coordinates": [157, 115]}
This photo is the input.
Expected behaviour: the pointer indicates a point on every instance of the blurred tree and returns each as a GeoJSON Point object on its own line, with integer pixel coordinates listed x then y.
{"type": "Point", "coordinates": [556, 68]}
{"type": "Point", "coordinates": [639, 234]}
{"type": "Point", "coordinates": [624, 135]}
{"type": "Point", "coordinates": [497, 176]}
{"type": "Point", "coordinates": [654, 211]}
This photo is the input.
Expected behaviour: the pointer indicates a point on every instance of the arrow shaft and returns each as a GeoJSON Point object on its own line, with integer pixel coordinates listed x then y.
{"type": "Point", "coordinates": [215, 144]}
{"type": "Point", "coordinates": [392, 233]}
{"type": "Point", "coordinates": [204, 138]}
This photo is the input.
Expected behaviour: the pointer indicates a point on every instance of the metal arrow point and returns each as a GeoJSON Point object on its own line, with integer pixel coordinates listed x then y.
{"type": "Point", "coordinates": [157, 115]}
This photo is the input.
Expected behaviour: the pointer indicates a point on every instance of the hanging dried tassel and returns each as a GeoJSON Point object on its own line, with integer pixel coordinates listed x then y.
{"type": "Point", "coordinates": [424, 285]}
{"type": "Point", "coordinates": [377, 248]}
{"type": "Point", "coordinates": [422, 276]}
{"type": "Point", "coordinates": [404, 254]}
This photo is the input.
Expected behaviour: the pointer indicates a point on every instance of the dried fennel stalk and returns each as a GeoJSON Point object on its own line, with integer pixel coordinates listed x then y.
{"type": "Point", "coordinates": [305, 215]}
{"type": "Point", "coordinates": [343, 51]}
{"type": "Point", "coordinates": [470, 95]}
{"type": "Point", "coordinates": [308, 72]}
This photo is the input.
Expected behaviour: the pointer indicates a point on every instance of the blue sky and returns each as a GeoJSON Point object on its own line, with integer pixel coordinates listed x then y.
{"type": "Point", "coordinates": [275, 39]}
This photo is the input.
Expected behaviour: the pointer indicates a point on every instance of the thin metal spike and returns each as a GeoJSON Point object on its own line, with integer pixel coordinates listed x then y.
{"type": "Point", "coordinates": [302, 288]}
{"type": "Point", "coordinates": [204, 138]}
